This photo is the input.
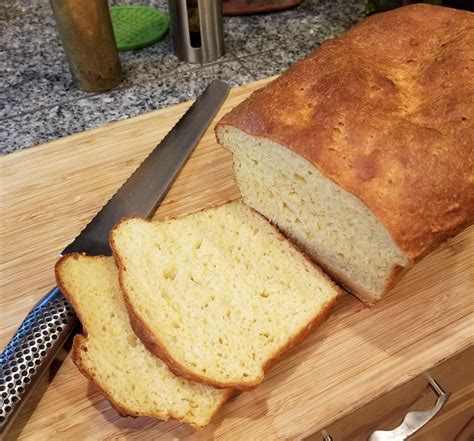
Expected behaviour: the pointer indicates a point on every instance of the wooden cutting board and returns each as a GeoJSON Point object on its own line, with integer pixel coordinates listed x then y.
{"type": "Point", "coordinates": [48, 193]}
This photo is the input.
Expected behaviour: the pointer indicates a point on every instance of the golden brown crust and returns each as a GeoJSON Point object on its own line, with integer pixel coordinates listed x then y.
{"type": "Point", "coordinates": [79, 346]}
{"type": "Point", "coordinates": [386, 112]}
{"type": "Point", "coordinates": [153, 344]}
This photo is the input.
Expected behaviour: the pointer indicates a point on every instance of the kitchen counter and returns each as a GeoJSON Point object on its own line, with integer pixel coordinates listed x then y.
{"type": "Point", "coordinates": [39, 102]}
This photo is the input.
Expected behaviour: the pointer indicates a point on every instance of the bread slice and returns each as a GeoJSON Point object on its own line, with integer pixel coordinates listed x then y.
{"type": "Point", "coordinates": [135, 381]}
{"type": "Point", "coordinates": [362, 153]}
{"type": "Point", "coordinates": [219, 294]}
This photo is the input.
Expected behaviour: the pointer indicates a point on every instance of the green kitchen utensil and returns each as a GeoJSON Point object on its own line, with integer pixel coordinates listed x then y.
{"type": "Point", "coordinates": [136, 27]}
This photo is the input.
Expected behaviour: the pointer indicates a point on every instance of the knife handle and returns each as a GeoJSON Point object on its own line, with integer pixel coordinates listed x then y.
{"type": "Point", "coordinates": [31, 350]}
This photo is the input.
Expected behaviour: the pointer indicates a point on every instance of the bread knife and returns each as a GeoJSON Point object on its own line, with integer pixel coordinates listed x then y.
{"type": "Point", "coordinates": [47, 326]}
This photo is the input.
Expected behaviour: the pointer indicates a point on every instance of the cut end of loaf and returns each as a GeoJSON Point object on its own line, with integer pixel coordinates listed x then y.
{"type": "Point", "coordinates": [333, 226]}
{"type": "Point", "coordinates": [136, 382]}
{"type": "Point", "coordinates": [219, 294]}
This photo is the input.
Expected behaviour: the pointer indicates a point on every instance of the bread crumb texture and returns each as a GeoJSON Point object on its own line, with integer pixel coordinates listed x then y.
{"type": "Point", "coordinates": [112, 356]}
{"type": "Point", "coordinates": [221, 291]}
{"type": "Point", "coordinates": [331, 225]}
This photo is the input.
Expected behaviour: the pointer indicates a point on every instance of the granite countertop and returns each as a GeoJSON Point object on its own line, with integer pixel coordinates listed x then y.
{"type": "Point", "coordinates": [39, 102]}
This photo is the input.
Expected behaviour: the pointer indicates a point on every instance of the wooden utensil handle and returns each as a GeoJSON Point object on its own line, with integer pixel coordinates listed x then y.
{"type": "Point", "coordinates": [31, 350]}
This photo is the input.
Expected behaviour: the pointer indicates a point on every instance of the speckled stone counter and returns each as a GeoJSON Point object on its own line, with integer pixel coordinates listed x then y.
{"type": "Point", "coordinates": [39, 102]}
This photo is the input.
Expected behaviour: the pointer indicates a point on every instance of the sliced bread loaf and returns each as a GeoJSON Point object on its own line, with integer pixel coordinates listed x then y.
{"type": "Point", "coordinates": [218, 294]}
{"type": "Point", "coordinates": [115, 360]}
{"type": "Point", "coordinates": [362, 153]}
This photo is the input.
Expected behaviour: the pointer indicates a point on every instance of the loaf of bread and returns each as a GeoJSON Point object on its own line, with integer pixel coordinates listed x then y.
{"type": "Point", "coordinates": [219, 294]}
{"type": "Point", "coordinates": [111, 355]}
{"type": "Point", "coordinates": [362, 153]}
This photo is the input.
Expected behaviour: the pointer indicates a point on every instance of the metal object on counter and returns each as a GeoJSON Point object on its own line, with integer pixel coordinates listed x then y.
{"type": "Point", "coordinates": [412, 422]}
{"type": "Point", "coordinates": [197, 30]}
{"type": "Point", "coordinates": [415, 420]}
{"type": "Point", "coordinates": [326, 437]}
{"type": "Point", "coordinates": [86, 33]}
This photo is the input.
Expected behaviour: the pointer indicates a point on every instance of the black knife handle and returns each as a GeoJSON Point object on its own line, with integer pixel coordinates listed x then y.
{"type": "Point", "coordinates": [31, 350]}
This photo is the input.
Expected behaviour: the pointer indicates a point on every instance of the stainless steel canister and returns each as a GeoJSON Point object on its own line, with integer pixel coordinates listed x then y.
{"type": "Point", "coordinates": [196, 27]}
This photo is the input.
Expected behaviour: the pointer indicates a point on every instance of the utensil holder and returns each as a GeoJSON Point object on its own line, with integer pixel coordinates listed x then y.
{"type": "Point", "coordinates": [87, 36]}
{"type": "Point", "coordinates": [197, 30]}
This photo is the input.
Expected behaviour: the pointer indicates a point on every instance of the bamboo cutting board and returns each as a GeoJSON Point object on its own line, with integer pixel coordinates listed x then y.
{"type": "Point", "coordinates": [50, 192]}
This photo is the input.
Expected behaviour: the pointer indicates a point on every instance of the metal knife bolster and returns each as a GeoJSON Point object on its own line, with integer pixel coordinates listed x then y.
{"type": "Point", "coordinates": [48, 325]}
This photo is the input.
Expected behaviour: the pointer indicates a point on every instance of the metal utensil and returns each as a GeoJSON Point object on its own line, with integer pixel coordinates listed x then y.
{"type": "Point", "coordinates": [197, 29]}
{"type": "Point", "coordinates": [48, 325]}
